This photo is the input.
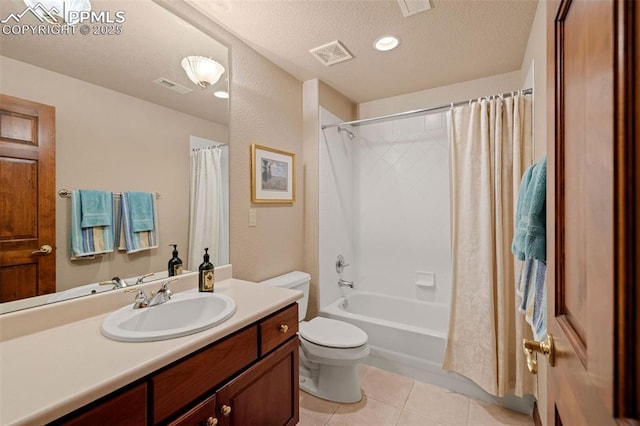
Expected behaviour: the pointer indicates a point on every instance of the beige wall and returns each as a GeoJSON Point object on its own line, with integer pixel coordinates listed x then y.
{"type": "Point", "coordinates": [316, 94]}
{"type": "Point", "coordinates": [265, 108]}
{"type": "Point", "coordinates": [111, 141]}
{"type": "Point", "coordinates": [442, 95]}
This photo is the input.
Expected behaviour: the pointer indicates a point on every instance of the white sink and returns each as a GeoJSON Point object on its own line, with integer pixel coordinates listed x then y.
{"type": "Point", "coordinates": [186, 313]}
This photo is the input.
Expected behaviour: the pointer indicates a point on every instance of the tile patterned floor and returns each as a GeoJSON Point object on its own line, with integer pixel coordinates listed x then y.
{"type": "Point", "coordinates": [390, 399]}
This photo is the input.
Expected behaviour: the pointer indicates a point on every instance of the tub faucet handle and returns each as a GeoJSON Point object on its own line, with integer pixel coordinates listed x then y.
{"type": "Point", "coordinates": [341, 264]}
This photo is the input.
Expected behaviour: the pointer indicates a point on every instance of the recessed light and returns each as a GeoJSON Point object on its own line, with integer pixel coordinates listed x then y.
{"type": "Point", "coordinates": [386, 43]}
{"type": "Point", "coordinates": [221, 94]}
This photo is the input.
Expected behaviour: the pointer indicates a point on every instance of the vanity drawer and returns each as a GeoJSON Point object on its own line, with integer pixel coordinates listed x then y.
{"type": "Point", "coordinates": [180, 384]}
{"type": "Point", "coordinates": [278, 328]}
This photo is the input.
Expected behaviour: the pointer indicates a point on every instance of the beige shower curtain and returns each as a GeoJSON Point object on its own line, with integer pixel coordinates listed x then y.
{"type": "Point", "coordinates": [490, 149]}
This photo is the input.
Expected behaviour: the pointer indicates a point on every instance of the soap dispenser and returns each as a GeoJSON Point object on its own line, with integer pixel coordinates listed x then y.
{"type": "Point", "coordinates": [175, 263]}
{"type": "Point", "coordinates": [205, 277]}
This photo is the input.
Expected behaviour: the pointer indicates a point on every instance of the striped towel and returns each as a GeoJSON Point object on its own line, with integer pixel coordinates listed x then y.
{"type": "Point", "coordinates": [88, 241]}
{"type": "Point", "coordinates": [531, 287]}
{"type": "Point", "coordinates": [127, 238]}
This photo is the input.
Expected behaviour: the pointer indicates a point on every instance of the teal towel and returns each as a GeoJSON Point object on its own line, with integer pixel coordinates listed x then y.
{"type": "Point", "coordinates": [529, 240]}
{"type": "Point", "coordinates": [96, 208]}
{"type": "Point", "coordinates": [141, 211]}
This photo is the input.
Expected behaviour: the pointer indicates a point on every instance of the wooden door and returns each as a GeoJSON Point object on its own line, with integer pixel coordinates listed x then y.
{"type": "Point", "coordinates": [27, 199]}
{"type": "Point", "coordinates": [266, 394]}
{"type": "Point", "coordinates": [593, 211]}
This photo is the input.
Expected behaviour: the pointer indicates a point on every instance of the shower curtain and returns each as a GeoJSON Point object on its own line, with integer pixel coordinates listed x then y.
{"type": "Point", "coordinates": [491, 145]}
{"type": "Point", "coordinates": [206, 205]}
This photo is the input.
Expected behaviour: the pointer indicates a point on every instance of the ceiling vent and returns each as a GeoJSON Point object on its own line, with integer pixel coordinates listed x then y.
{"type": "Point", "coordinates": [331, 53]}
{"type": "Point", "coordinates": [412, 7]}
{"type": "Point", "coordinates": [172, 85]}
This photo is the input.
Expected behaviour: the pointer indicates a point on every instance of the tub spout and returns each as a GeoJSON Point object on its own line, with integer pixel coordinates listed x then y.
{"type": "Point", "coordinates": [345, 283]}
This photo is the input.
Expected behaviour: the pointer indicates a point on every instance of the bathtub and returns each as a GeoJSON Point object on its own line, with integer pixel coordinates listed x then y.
{"type": "Point", "coordinates": [409, 337]}
{"type": "Point", "coordinates": [401, 326]}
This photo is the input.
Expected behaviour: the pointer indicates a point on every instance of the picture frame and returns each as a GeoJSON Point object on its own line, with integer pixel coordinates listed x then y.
{"type": "Point", "coordinates": [273, 175]}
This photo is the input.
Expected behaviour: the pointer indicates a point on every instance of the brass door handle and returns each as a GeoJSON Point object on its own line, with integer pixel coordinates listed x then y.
{"type": "Point", "coordinates": [531, 348]}
{"type": "Point", "coordinates": [45, 249]}
{"type": "Point", "coordinates": [212, 421]}
{"type": "Point", "coordinates": [284, 328]}
{"type": "Point", "coordinates": [225, 410]}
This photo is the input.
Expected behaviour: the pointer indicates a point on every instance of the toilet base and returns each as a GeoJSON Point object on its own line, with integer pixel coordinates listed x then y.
{"type": "Point", "coordinates": [333, 383]}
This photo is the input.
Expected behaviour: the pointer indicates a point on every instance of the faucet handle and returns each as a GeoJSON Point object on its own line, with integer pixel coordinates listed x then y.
{"type": "Point", "coordinates": [141, 300]}
{"type": "Point", "coordinates": [165, 287]}
{"type": "Point", "coordinates": [341, 264]}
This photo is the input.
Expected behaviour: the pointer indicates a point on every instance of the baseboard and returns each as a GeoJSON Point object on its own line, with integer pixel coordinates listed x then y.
{"type": "Point", "coordinates": [537, 421]}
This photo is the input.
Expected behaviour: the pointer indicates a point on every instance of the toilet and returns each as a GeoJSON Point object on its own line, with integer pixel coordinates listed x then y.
{"type": "Point", "coordinates": [330, 350]}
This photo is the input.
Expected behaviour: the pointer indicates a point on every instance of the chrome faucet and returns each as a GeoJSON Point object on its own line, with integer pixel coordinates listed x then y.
{"type": "Point", "coordinates": [345, 283]}
{"type": "Point", "coordinates": [142, 301]}
{"type": "Point", "coordinates": [163, 295]}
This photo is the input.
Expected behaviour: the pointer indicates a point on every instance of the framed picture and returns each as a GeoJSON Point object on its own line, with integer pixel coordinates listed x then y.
{"type": "Point", "coordinates": [273, 175]}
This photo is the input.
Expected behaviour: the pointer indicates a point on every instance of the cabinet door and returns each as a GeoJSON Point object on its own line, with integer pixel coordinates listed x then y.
{"type": "Point", "coordinates": [266, 394]}
{"type": "Point", "coordinates": [127, 408]}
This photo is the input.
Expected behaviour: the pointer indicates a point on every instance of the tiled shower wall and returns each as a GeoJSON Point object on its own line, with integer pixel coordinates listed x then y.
{"type": "Point", "coordinates": [384, 205]}
{"type": "Point", "coordinates": [336, 207]}
{"type": "Point", "coordinates": [401, 207]}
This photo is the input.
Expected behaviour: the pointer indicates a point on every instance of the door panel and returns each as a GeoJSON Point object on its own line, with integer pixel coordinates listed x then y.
{"type": "Point", "coordinates": [27, 198]}
{"type": "Point", "coordinates": [589, 241]}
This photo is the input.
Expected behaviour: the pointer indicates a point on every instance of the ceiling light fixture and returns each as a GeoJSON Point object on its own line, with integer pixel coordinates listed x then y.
{"type": "Point", "coordinates": [386, 43]}
{"type": "Point", "coordinates": [63, 12]}
{"type": "Point", "coordinates": [202, 71]}
{"type": "Point", "coordinates": [222, 94]}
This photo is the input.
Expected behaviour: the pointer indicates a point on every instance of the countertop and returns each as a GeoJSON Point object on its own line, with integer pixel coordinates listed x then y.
{"type": "Point", "coordinates": [47, 373]}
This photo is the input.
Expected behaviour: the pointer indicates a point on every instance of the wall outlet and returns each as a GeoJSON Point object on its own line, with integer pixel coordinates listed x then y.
{"type": "Point", "coordinates": [252, 218]}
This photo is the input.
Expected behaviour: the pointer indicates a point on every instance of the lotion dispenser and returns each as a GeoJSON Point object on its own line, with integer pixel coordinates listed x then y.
{"type": "Point", "coordinates": [175, 263]}
{"type": "Point", "coordinates": [205, 277]}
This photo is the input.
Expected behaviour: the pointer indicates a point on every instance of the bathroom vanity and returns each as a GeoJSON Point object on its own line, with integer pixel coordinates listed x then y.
{"type": "Point", "coordinates": [243, 371]}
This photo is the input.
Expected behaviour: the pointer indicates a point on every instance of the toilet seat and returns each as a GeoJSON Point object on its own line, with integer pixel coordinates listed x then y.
{"type": "Point", "coordinates": [332, 333]}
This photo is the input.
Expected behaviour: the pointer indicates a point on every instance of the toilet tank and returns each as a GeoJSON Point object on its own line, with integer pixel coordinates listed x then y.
{"type": "Point", "coordinates": [298, 281]}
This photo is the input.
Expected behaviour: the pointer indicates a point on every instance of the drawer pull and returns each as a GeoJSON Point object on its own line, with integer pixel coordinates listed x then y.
{"type": "Point", "coordinates": [225, 410]}
{"type": "Point", "coordinates": [212, 421]}
{"type": "Point", "coordinates": [284, 328]}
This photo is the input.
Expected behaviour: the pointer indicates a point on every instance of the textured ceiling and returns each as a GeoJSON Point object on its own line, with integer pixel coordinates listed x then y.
{"type": "Point", "coordinates": [454, 41]}
{"type": "Point", "coordinates": [152, 45]}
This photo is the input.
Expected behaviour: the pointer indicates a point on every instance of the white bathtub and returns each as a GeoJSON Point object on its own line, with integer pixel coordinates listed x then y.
{"type": "Point", "coordinates": [406, 327]}
{"type": "Point", "coordinates": [409, 337]}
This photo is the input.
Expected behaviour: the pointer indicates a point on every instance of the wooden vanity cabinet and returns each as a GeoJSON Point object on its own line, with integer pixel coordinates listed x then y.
{"type": "Point", "coordinates": [248, 378]}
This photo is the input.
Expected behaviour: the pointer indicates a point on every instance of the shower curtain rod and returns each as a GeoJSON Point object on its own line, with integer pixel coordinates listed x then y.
{"type": "Point", "coordinates": [407, 114]}
{"type": "Point", "coordinates": [210, 147]}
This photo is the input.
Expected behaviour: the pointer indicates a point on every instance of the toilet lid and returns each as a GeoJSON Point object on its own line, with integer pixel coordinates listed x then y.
{"type": "Point", "coordinates": [332, 333]}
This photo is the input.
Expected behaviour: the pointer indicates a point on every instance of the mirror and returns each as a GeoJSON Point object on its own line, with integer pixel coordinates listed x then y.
{"type": "Point", "coordinates": [121, 122]}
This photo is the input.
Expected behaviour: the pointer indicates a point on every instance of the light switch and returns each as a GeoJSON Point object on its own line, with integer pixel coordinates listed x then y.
{"type": "Point", "coordinates": [252, 217]}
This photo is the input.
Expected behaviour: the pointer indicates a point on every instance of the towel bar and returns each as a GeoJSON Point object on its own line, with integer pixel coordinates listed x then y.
{"type": "Point", "coordinates": [65, 193]}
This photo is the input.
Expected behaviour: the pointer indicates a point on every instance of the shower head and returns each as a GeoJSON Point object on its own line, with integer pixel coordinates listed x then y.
{"type": "Point", "coordinates": [349, 132]}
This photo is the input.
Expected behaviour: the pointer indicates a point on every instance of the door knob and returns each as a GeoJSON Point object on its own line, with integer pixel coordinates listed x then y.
{"type": "Point", "coordinates": [531, 348]}
{"type": "Point", "coordinates": [225, 410]}
{"type": "Point", "coordinates": [212, 421]}
{"type": "Point", "coordinates": [45, 249]}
